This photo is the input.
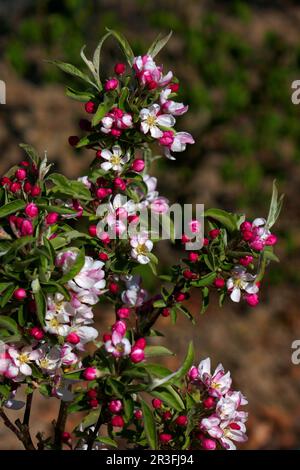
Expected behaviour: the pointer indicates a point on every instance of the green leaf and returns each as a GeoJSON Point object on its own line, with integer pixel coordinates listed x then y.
{"type": "Point", "coordinates": [204, 280]}
{"type": "Point", "coordinates": [4, 286]}
{"type": "Point", "coordinates": [275, 207]}
{"type": "Point", "coordinates": [124, 46]}
{"type": "Point", "coordinates": [169, 396]}
{"type": "Point", "coordinates": [40, 301]}
{"type": "Point", "coordinates": [97, 56]}
{"type": "Point", "coordinates": [7, 296]}
{"type": "Point", "coordinates": [75, 269]}
{"type": "Point", "coordinates": [72, 70]}
{"type": "Point", "coordinates": [123, 97]}
{"type": "Point", "coordinates": [149, 425]}
{"type": "Point", "coordinates": [205, 299]}
{"type": "Point", "coordinates": [185, 311]}
{"type": "Point", "coordinates": [157, 370]}
{"type": "Point", "coordinates": [151, 351]}
{"type": "Point", "coordinates": [159, 304]}
{"type": "Point", "coordinates": [9, 324]}
{"type": "Point", "coordinates": [128, 408]}
{"type": "Point", "coordinates": [75, 189]}
{"type": "Point", "coordinates": [158, 44]}
{"type": "Point", "coordinates": [227, 219]}
{"type": "Point", "coordinates": [82, 96]}
{"type": "Point", "coordinates": [107, 441]}
{"type": "Point", "coordinates": [32, 153]}
{"type": "Point", "coordinates": [270, 255]}
{"type": "Point", "coordinates": [11, 208]}
{"type": "Point", "coordinates": [102, 109]}
{"type": "Point", "coordinates": [90, 419]}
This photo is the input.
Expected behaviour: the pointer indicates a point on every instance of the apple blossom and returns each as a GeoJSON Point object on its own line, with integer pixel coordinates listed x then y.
{"type": "Point", "coordinates": [118, 345]}
{"type": "Point", "coordinates": [114, 159]}
{"type": "Point", "coordinates": [241, 281]}
{"type": "Point", "coordinates": [152, 121]}
{"type": "Point", "coordinates": [141, 247]}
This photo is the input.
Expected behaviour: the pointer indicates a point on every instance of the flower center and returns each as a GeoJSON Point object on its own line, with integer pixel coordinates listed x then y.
{"type": "Point", "coordinates": [141, 249]}
{"type": "Point", "coordinates": [23, 358]}
{"type": "Point", "coordinates": [120, 347]}
{"type": "Point", "coordinates": [54, 323]}
{"type": "Point", "coordinates": [115, 160]}
{"type": "Point", "coordinates": [44, 363]}
{"type": "Point", "coordinates": [59, 306]}
{"type": "Point", "coordinates": [151, 120]}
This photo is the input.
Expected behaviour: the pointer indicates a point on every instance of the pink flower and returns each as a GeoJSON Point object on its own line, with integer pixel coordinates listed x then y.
{"type": "Point", "coordinates": [31, 210]}
{"type": "Point", "coordinates": [241, 281]}
{"type": "Point", "coordinates": [217, 383]}
{"type": "Point", "coordinates": [178, 144]}
{"type": "Point", "coordinates": [169, 106]}
{"type": "Point", "coordinates": [118, 346]}
{"type": "Point", "coordinates": [257, 234]}
{"type": "Point", "coordinates": [148, 72]}
{"type": "Point", "coordinates": [119, 327]}
{"type": "Point", "coordinates": [160, 205]}
{"type": "Point", "coordinates": [111, 84]}
{"type": "Point", "coordinates": [141, 247]}
{"type": "Point", "coordinates": [152, 121]}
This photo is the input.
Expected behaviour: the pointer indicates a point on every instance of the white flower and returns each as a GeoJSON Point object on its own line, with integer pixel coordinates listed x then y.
{"type": "Point", "coordinates": [115, 160]}
{"type": "Point", "coordinates": [217, 383]}
{"type": "Point", "coordinates": [152, 121]}
{"type": "Point", "coordinates": [21, 359]}
{"type": "Point", "coordinates": [50, 360]}
{"type": "Point", "coordinates": [118, 345]}
{"type": "Point", "coordinates": [134, 295]}
{"type": "Point", "coordinates": [56, 324]}
{"type": "Point", "coordinates": [89, 282]}
{"type": "Point", "coordinates": [241, 280]}
{"type": "Point", "coordinates": [141, 247]}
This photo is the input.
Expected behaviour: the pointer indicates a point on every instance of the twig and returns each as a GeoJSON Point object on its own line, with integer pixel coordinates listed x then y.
{"type": "Point", "coordinates": [26, 417]}
{"type": "Point", "coordinates": [20, 431]}
{"type": "Point", "coordinates": [91, 441]}
{"type": "Point", "coordinates": [60, 424]}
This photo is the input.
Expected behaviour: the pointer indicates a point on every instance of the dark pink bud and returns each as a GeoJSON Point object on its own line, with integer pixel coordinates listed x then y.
{"type": "Point", "coordinates": [101, 193]}
{"type": "Point", "coordinates": [20, 294]}
{"type": "Point", "coordinates": [15, 187]}
{"type": "Point", "coordinates": [219, 283]}
{"type": "Point", "coordinates": [152, 85]}
{"type": "Point", "coordinates": [118, 113]}
{"type": "Point", "coordinates": [209, 403]}
{"type": "Point", "coordinates": [116, 132]}
{"type": "Point", "coordinates": [165, 312]}
{"type": "Point", "coordinates": [137, 355]}
{"type": "Point", "coordinates": [31, 210]}
{"type": "Point", "coordinates": [181, 420]}
{"type": "Point", "coordinates": [26, 228]}
{"type": "Point", "coordinates": [92, 393]}
{"type": "Point", "coordinates": [106, 337]}
{"type": "Point", "coordinates": [120, 327]}
{"type": "Point", "coordinates": [189, 275]}
{"type": "Point", "coordinates": [123, 312]}
{"type": "Point", "coordinates": [90, 373]}
{"type": "Point", "coordinates": [156, 403]}
{"type": "Point", "coordinates": [66, 437]}
{"type": "Point", "coordinates": [271, 240]}
{"type": "Point", "coordinates": [205, 241]}
{"type": "Point", "coordinates": [167, 138]}
{"type": "Point", "coordinates": [214, 233]}
{"type": "Point", "coordinates": [5, 181]}
{"type": "Point", "coordinates": [117, 421]}
{"type": "Point", "coordinates": [165, 438]}
{"type": "Point", "coordinates": [185, 239]}
{"type": "Point", "coordinates": [73, 140]}
{"type": "Point", "coordinates": [73, 338]}
{"type": "Point", "coordinates": [120, 68]}
{"type": "Point", "coordinates": [98, 154]}
{"type": "Point", "coordinates": [167, 415]}
{"type": "Point", "coordinates": [111, 84]}
{"type": "Point", "coordinates": [51, 218]}
{"type": "Point", "coordinates": [119, 184]}
{"type": "Point", "coordinates": [174, 87]}
{"type": "Point", "coordinates": [246, 260]}
{"type": "Point", "coordinates": [138, 414]}
{"type": "Point", "coordinates": [90, 107]}
{"type": "Point", "coordinates": [247, 235]}
{"type": "Point", "coordinates": [252, 299]}
{"type": "Point", "coordinates": [208, 444]}
{"type": "Point", "coordinates": [193, 373]}
{"type": "Point", "coordinates": [140, 343]}
{"type": "Point", "coordinates": [20, 174]}
{"type": "Point", "coordinates": [193, 257]}
{"type": "Point", "coordinates": [113, 288]}
{"type": "Point", "coordinates": [103, 256]}
{"type": "Point", "coordinates": [36, 333]}
{"type": "Point", "coordinates": [115, 406]}
{"type": "Point", "coordinates": [27, 187]}
{"type": "Point", "coordinates": [138, 165]}
{"type": "Point", "coordinates": [246, 226]}
{"type": "Point", "coordinates": [93, 403]}
{"type": "Point", "coordinates": [35, 191]}
{"type": "Point", "coordinates": [105, 238]}
{"type": "Point", "coordinates": [93, 230]}
{"type": "Point", "coordinates": [179, 297]}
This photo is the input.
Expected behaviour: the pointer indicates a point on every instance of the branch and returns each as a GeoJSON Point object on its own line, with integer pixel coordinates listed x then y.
{"type": "Point", "coordinates": [20, 431]}
{"type": "Point", "coordinates": [27, 409]}
{"type": "Point", "coordinates": [60, 425]}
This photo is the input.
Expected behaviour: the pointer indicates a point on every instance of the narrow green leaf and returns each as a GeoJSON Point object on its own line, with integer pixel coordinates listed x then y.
{"type": "Point", "coordinates": [31, 152]}
{"type": "Point", "coordinates": [11, 208]}
{"type": "Point", "coordinates": [204, 280]}
{"type": "Point", "coordinates": [102, 109]}
{"type": "Point", "coordinates": [227, 219]}
{"type": "Point", "coordinates": [9, 324]}
{"type": "Point", "coordinates": [82, 96]}
{"type": "Point", "coordinates": [149, 425]}
{"type": "Point", "coordinates": [72, 70]}
{"type": "Point", "coordinates": [124, 45]}
{"type": "Point", "coordinates": [158, 44]}
{"type": "Point", "coordinates": [151, 351]}
{"type": "Point", "coordinates": [169, 396]}
{"type": "Point", "coordinates": [5, 298]}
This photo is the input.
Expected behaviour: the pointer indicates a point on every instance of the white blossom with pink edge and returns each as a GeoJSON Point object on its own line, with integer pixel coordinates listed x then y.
{"type": "Point", "coordinates": [148, 72]}
{"type": "Point", "coordinates": [22, 358]}
{"type": "Point", "coordinates": [141, 247]}
{"type": "Point", "coordinates": [114, 159]}
{"type": "Point", "coordinates": [134, 295]}
{"type": "Point", "coordinates": [118, 346]}
{"type": "Point", "coordinates": [217, 383]}
{"type": "Point", "coordinates": [241, 281]}
{"type": "Point", "coordinates": [170, 106]}
{"type": "Point", "coordinates": [178, 144]}
{"type": "Point", "coordinates": [152, 121]}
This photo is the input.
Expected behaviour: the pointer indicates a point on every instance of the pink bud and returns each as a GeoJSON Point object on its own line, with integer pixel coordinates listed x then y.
{"type": "Point", "coordinates": [219, 283]}
{"type": "Point", "coordinates": [193, 373]}
{"type": "Point", "coordinates": [20, 174]}
{"type": "Point", "coordinates": [27, 187]}
{"type": "Point", "coordinates": [246, 226]}
{"type": "Point", "coordinates": [185, 239]}
{"type": "Point", "coordinates": [120, 68]}
{"type": "Point", "coordinates": [138, 165]}
{"type": "Point", "coordinates": [116, 132]}
{"type": "Point", "coordinates": [35, 191]}
{"type": "Point", "coordinates": [167, 138]}
{"type": "Point", "coordinates": [257, 245]}
{"type": "Point", "coordinates": [205, 241]}
{"type": "Point", "coordinates": [101, 193]}
{"type": "Point", "coordinates": [115, 406]}
{"type": "Point", "coordinates": [73, 338]}
{"type": "Point", "coordinates": [117, 421]}
{"type": "Point", "coordinates": [93, 403]}
{"type": "Point", "coordinates": [156, 403]}
{"type": "Point", "coordinates": [118, 113]}
{"type": "Point", "coordinates": [140, 343]}
{"type": "Point", "coordinates": [165, 312]}
{"type": "Point", "coordinates": [252, 299]}
{"type": "Point", "coordinates": [123, 312]}
{"type": "Point", "coordinates": [31, 210]}
{"type": "Point", "coordinates": [247, 235]}
{"type": "Point", "coordinates": [120, 327]}
{"type": "Point", "coordinates": [73, 140]}
{"type": "Point", "coordinates": [174, 87]}
{"type": "Point", "coordinates": [214, 233]}
{"type": "Point", "coordinates": [15, 187]}
{"type": "Point", "coordinates": [105, 238]}
{"type": "Point", "coordinates": [167, 415]}
{"type": "Point", "coordinates": [20, 294]}
{"type": "Point", "coordinates": [195, 226]}
{"type": "Point", "coordinates": [209, 444]}
{"type": "Point", "coordinates": [51, 218]}
{"type": "Point", "coordinates": [181, 420]}
{"type": "Point", "coordinates": [138, 414]}
{"type": "Point", "coordinates": [26, 228]}
{"type": "Point", "coordinates": [5, 181]}
{"type": "Point", "coordinates": [152, 85]}
{"type": "Point", "coordinates": [103, 256]}
{"type": "Point", "coordinates": [113, 288]}
{"type": "Point", "coordinates": [189, 275]}
{"type": "Point", "coordinates": [120, 184]}
{"type": "Point", "coordinates": [90, 107]}
{"type": "Point", "coordinates": [90, 373]}
{"type": "Point", "coordinates": [93, 230]}
{"type": "Point", "coordinates": [246, 260]}
{"type": "Point", "coordinates": [92, 393]}
{"type": "Point", "coordinates": [36, 333]}
{"type": "Point", "coordinates": [180, 297]}
{"type": "Point", "coordinates": [165, 438]}
{"type": "Point", "coordinates": [137, 355]}
{"type": "Point", "coordinates": [133, 219]}
{"type": "Point", "coordinates": [66, 437]}
{"type": "Point", "coordinates": [271, 240]}
{"type": "Point", "coordinates": [111, 84]}
{"type": "Point", "coordinates": [106, 337]}
{"type": "Point", "coordinates": [209, 403]}
{"type": "Point", "coordinates": [193, 257]}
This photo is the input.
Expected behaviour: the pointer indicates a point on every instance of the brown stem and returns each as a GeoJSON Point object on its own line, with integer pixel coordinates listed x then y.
{"type": "Point", "coordinates": [19, 430]}
{"type": "Point", "coordinates": [26, 417]}
{"type": "Point", "coordinates": [60, 425]}
{"type": "Point", "coordinates": [95, 432]}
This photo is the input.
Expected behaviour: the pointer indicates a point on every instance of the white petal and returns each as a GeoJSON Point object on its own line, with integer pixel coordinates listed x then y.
{"type": "Point", "coordinates": [235, 295]}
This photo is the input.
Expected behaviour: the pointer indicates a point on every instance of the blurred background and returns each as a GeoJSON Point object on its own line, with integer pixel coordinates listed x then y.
{"type": "Point", "coordinates": [236, 61]}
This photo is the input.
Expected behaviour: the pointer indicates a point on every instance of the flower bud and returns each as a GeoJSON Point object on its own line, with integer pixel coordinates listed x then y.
{"type": "Point", "coordinates": [103, 256]}
{"type": "Point", "coordinates": [51, 218]}
{"type": "Point", "coordinates": [113, 288]}
{"type": "Point", "coordinates": [179, 297]}
{"type": "Point", "coordinates": [101, 193]}
{"type": "Point", "coordinates": [174, 87]}
{"type": "Point", "coordinates": [165, 438]}
{"type": "Point", "coordinates": [93, 230]}
{"type": "Point", "coordinates": [36, 333]}
{"type": "Point", "coordinates": [20, 174]}
{"type": "Point", "coordinates": [156, 403]}
{"type": "Point", "coordinates": [26, 228]}
{"type": "Point", "coordinates": [165, 312]}
{"type": "Point", "coordinates": [106, 337]}
{"type": "Point", "coordinates": [137, 355]}
{"type": "Point", "coordinates": [73, 140]}
{"type": "Point", "coordinates": [90, 107]}
{"type": "Point", "coordinates": [246, 226]}
{"type": "Point", "coordinates": [252, 299]}
{"type": "Point", "coordinates": [116, 132]}
{"type": "Point", "coordinates": [105, 238]}
{"type": "Point", "coordinates": [119, 183]}
{"type": "Point", "coordinates": [138, 165]}
{"type": "Point", "coordinates": [92, 393]}
{"type": "Point", "coordinates": [27, 187]}
{"type": "Point", "coordinates": [35, 190]}
{"type": "Point", "coordinates": [246, 260]}
{"type": "Point", "coordinates": [111, 84]}
{"type": "Point", "coordinates": [193, 373]}
{"type": "Point", "coordinates": [214, 233]}
{"type": "Point", "coordinates": [73, 338]}
{"type": "Point", "coordinates": [271, 240]}
{"type": "Point", "coordinates": [123, 312]}
{"type": "Point", "coordinates": [120, 68]}
{"type": "Point", "coordinates": [115, 406]}
{"type": "Point", "coordinates": [167, 415]}
{"type": "Point", "coordinates": [66, 437]}
{"type": "Point", "coordinates": [15, 187]}
{"type": "Point", "coordinates": [181, 420]}
{"type": "Point", "coordinates": [140, 343]}
{"type": "Point", "coordinates": [20, 294]}
{"type": "Point", "coordinates": [117, 421]}
{"type": "Point", "coordinates": [90, 373]}
{"type": "Point", "coordinates": [209, 403]}
{"type": "Point", "coordinates": [193, 257]}
{"type": "Point", "coordinates": [31, 210]}
{"type": "Point", "coordinates": [120, 327]}
{"type": "Point", "coordinates": [138, 414]}
{"type": "Point", "coordinates": [94, 403]}
{"type": "Point", "coordinates": [219, 283]}
{"type": "Point", "coordinates": [152, 85]}
{"type": "Point", "coordinates": [208, 444]}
